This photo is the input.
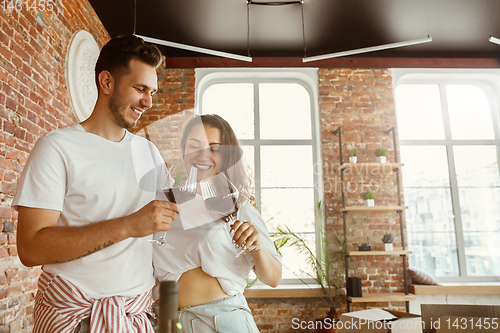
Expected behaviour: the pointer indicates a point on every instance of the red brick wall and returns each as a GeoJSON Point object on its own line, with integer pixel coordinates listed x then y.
{"type": "Point", "coordinates": [275, 315]}
{"type": "Point", "coordinates": [33, 101]}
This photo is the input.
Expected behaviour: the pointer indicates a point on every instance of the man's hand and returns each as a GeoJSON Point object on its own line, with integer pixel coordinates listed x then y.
{"type": "Point", "coordinates": [157, 215]}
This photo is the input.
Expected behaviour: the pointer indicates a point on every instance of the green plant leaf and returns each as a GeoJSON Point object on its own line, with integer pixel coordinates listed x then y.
{"type": "Point", "coordinates": [250, 282]}
{"type": "Point", "coordinates": [381, 151]}
{"type": "Point", "coordinates": [367, 195]}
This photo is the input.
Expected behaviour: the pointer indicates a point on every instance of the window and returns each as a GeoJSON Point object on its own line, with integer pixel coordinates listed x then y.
{"type": "Point", "coordinates": [449, 140]}
{"type": "Point", "coordinates": [273, 113]}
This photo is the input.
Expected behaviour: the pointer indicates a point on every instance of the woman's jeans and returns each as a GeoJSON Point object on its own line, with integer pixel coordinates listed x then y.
{"type": "Point", "coordinates": [228, 315]}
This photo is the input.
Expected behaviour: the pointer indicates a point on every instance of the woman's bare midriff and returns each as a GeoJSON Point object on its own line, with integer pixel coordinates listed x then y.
{"type": "Point", "coordinates": [197, 287]}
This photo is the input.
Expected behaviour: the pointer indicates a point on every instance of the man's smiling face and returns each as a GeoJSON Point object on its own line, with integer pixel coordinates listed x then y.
{"type": "Point", "coordinates": [132, 94]}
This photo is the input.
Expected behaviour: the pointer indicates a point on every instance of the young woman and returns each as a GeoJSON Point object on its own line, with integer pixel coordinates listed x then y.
{"type": "Point", "coordinates": [211, 279]}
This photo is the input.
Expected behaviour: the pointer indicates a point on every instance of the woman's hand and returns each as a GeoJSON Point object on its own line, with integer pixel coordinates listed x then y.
{"type": "Point", "coordinates": [245, 234]}
{"type": "Point", "coordinates": [267, 268]}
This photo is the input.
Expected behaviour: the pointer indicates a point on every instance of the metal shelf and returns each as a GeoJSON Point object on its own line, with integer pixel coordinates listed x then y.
{"type": "Point", "coordinates": [374, 169]}
{"type": "Point", "coordinates": [373, 208]}
{"type": "Point", "coordinates": [382, 297]}
{"type": "Point", "coordinates": [371, 168]}
{"type": "Point", "coordinates": [378, 253]}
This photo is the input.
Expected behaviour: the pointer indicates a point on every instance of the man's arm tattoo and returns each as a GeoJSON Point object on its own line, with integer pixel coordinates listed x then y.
{"type": "Point", "coordinates": [96, 249]}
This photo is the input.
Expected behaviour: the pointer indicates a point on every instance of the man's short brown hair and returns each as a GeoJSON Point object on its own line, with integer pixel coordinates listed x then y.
{"type": "Point", "coordinates": [115, 56]}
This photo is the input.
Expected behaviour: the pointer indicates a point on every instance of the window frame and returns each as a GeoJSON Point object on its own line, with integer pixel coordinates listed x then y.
{"type": "Point", "coordinates": [307, 78]}
{"type": "Point", "coordinates": [487, 80]}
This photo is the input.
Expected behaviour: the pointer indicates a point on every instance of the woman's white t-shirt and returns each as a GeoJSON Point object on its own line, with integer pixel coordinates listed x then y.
{"type": "Point", "coordinates": [209, 246]}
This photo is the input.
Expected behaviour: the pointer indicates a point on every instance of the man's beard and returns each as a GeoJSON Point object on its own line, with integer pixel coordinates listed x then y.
{"type": "Point", "coordinates": [118, 111]}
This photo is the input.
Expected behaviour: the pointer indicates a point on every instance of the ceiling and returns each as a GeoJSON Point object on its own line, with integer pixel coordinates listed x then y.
{"type": "Point", "coordinates": [459, 28]}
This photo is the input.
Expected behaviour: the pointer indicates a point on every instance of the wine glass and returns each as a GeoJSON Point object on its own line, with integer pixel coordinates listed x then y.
{"type": "Point", "coordinates": [220, 196]}
{"type": "Point", "coordinates": [179, 193]}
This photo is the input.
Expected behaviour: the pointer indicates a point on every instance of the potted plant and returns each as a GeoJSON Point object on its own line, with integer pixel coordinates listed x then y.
{"type": "Point", "coordinates": [369, 197]}
{"type": "Point", "coordinates": [353, 158]}
{"type": "Point", "coordinates": [381, 154]}
{"type": "Point", "coordinates": [388, 239]}
{"type": "Point", "coordinates": [328, 279]}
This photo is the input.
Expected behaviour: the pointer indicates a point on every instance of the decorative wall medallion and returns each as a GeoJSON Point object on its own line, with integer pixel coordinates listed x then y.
{"type": "Point", "coordinates": [83, 52]}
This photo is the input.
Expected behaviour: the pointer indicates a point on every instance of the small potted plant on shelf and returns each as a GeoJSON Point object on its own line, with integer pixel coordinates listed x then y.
{"type": "Point", "coordinates": [365, 247]}
{"type": "Point", "coordinates": [354, 155]}
{"type": "Point", "coordinates": [381, 154]}
{"type": "Point", "coordinates": [388, 239]}
{"type": "Point", "coordinates": [369, 198]}
{"type": "Point", "coordinates": [327, 278]}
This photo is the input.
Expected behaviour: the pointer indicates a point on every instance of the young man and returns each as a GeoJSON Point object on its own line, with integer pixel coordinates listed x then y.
{"type": "Point", "coordinates": [87, 204]}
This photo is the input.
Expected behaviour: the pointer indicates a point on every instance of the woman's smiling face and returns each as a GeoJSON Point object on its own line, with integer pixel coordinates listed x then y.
{"type": "Point", "coordinates": [203, 150]}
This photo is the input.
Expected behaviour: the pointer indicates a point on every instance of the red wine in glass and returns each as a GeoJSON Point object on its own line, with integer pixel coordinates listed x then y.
{"type": "Point", "coordinates": [220, 196]}
{"type": "Point", "coordinates": [223, 204]}
{"type": "Point", "coordinates": [179, 195]}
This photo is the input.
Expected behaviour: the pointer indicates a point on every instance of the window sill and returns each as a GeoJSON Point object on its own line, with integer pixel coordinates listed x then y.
{"type": "Point", "coordinates": [487, 288]}
{"type": "Point", "coordinates": [284, 291]}
{"type": "Point", "coordinates": [300, 291]}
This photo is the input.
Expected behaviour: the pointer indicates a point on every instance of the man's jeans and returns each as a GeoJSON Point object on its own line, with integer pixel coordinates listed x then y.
{"type": "Point", "coordinates": [84, 325]}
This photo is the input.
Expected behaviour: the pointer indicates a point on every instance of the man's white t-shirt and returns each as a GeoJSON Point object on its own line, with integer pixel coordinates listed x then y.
{"type": "Point", "coordinates": [90, 179]}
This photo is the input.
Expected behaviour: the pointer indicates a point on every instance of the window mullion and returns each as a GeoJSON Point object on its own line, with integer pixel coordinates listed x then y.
{"type": "Point", "coordinates": [494, 116]}
{"type": "Point", "coordinates": [257, 145]}
{"type": "Point", "coordinates": [455, 201]}
{"type": "Point", "coordinates": [496, 124]}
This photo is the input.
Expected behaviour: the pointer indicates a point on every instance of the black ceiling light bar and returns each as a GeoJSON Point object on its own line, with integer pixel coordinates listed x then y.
{"type": "Point", "coordinates": [274, 3]}
{"type": "Point", "coordinates": [195, 49]}
{"type": "Point", "coordinates": [369, 49]}
{"type": "Point", "coordinates": [494, 40]}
